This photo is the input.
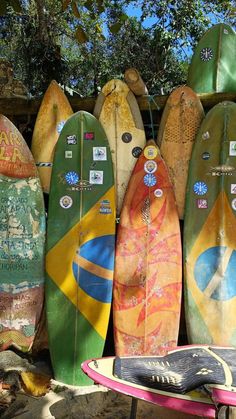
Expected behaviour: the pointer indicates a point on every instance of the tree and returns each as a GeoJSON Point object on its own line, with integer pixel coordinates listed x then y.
{"type": "Point", "coordinates": [84, 43]}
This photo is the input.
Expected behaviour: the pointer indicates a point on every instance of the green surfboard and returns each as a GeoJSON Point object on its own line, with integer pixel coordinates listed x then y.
{"type": "Point", "coordinates": [80, 247]}
{"type": "Point", "coordinates": [213, 65]}
{"type": "Point", "coordinates": [209, 231]}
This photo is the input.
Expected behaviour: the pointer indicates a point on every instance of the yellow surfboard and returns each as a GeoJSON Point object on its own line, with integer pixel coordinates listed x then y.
{"type": "Point", "coordinates": [117, 110]}
{"type": "Point", "coordinates": [55, 109]}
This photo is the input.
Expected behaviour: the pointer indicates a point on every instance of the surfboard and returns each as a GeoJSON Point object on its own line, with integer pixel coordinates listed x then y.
{"type": "Point", "coordinates": [179, 124]}
{"type": "Point", "coordinates": [54, 110]}
{"type": "Point", "coordinates": [22, 240]}
{"type": "Point", "coordinates": [148, 264]}
{"type": "Point", "coordinates": [117, 110]}
{"type": "Point", "coordinates": [155, 379]}
{"type": "Point", "coordinates": [195, 402]}
{"type": "Point", "coordinates": [209, 231]}
{"type": "Point", "coordinates": [80, 247]}
{"type": "Point", "coordinates": [212, 68]}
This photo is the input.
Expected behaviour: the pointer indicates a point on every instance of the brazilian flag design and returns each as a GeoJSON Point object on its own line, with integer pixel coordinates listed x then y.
{"type": "Point", "coordinates": [80, 247]}
{"type": "Point", "coordinates": [209, 231]}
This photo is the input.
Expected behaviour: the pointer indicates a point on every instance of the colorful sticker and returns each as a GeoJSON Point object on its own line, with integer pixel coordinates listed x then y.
{"type": "Point", "coordinates": [96, 177]}
{"type": "Point", "coordinates": [66, 202]}
{"type": "Point", "coordinates": [126, 137]}
{"type": "Point", "coordinates": [206, 54]}
{"type": "Point", "coordinates": [232, 148]}
{"type": "Point", "coordinates": [99, 153]}
{"type": "Point", "coordinates": [89, 136]}
{"type": "Point", "coordinates": [206, 155]}
{"type": "Point", "coordinates": [233, 204]}
{"type": "Point", "coordinates": [72, 178]}
{"type": "Point", "coordinates": [68, 154]}
{"type": "Point", "coordinates": [105, 207]}
{"type": "Point", "coordinates": [202, 203]}
{"type": "Point", "coordinates": [200, 188]}
{"type": "Point", "coordinates": [158, 193]}
{"type": "Point", "coordinates": [233, 188]}
{"type": "Point", "coordinates": [150, 180]}
{"type": "Point", "coordinates": [136, 152]}
{"type": "Point", "coordinates": [150, 166]}
{"type": "Point", "coordinates": [206, 135]}
{"type": "Point", "coordinates": [71, 139]}
{"type": "Point", "coordinates": [150, 152]}
{"type": "Point", "coordinates": [60, 125]}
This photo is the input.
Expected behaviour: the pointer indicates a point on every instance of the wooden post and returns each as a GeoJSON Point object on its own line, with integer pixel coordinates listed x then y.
{"type": "Point", "coordinates": [135, 82]}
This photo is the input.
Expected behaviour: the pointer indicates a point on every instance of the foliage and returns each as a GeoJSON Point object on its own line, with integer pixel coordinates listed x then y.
{"type": "Point", "coordinates": [84, 43]}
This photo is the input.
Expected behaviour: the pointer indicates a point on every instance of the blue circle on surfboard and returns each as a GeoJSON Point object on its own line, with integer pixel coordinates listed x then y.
{"type": "Point", "coordinates": [72, 178]}
{"type": "Point", "coordinates": [205, 271]}
{"type": "Point", "coordinates": [150, 180]}
{"type": "Point", "coordinates": [200, 188]}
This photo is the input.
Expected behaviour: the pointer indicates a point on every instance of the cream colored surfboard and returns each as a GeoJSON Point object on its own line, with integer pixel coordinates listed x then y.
{"type": "Point", "coordinates": [179, 125]}
{"type": "Point", "coordinates": [54, 110]}
{"type": "Point", "coordinates": [118, 111]}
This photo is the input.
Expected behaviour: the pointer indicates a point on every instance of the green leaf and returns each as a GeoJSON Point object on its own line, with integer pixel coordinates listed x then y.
{"type": "Point", "coordinates": [115, 27]}
{"type": "Point", "coordinates": [75, 10]}
{"type": "Point", "coordinates": [15, 4]}
{"type": "Point", "coordinates": [100, 5]}
{"type": "Point", "coordinates": [89, 5]}
{"type": "Point", "coordinates": [81, 35]}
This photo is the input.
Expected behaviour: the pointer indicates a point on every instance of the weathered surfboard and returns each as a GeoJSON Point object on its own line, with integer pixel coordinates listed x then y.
{"type": "Point", "coordinates": [180, 121]}
{"type": "Point", "coordinates": [80, 247]}
{"type": "Point", "coordinates": [148, 266]}
{"type": "Point", "coordinates": [54, 110]}
{"type": "Point", "coordinates": [212, 68]}
{"type": "Point", "coordinates": [209, 231]}
{"type": "Point", "coordinates": [22, 239]}
{"type": "Point", "coordinates": [117, 110]}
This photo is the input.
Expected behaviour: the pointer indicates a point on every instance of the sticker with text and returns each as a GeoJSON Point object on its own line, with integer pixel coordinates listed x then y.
{"type": "Point", "coordinates": [66, 202]}
{"type": "Point", "coordinates": [202, 203]}
{"type": "Point", "coordinates": [105, 207]}
{"type": "Point", "coordinates": [71, 139]}
{"type": "Point", "coordinates": [150, 152]}
{"type": "Point", "coordinates": [89, 136]}
{"type": "Point", "coordinates": [68, 154]}
{"type": "Point", "coordinates": [158, 193]}
{"type": "Point", "coordinates": [99, 153]}
{"type": "Point", "coordinates": [233, 188]}
{"type": "Point", "coordinates": [232, 148]}
{"type": "Point", "coordinates": [150, 166]}
{"type": "Point", "coordinates": [96, 177]}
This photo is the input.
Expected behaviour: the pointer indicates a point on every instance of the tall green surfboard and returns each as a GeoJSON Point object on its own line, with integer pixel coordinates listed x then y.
{"type": "Point", "coordinates": [209, 231]}
{"type": "Point", "coordinates": [80, 247]}
{"type": "Point", "coordinates": [213, 66]}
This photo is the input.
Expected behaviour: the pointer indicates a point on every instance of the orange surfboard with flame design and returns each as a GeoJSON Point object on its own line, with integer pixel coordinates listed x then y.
{"type": "Point", "coordinates": [148, 264]}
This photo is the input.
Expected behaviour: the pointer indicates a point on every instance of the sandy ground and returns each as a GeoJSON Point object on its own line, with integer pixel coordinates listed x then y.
{"type": "Point", "coordinates": [71, 403]}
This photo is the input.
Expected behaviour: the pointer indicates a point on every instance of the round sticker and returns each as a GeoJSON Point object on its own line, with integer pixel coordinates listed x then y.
{"type": "Point", "coordinates": [200, 188]}
{"type": "Point", "coordinates": [72, 178]}
{"type": "Point", "coordinates": [206, 54]}
{"type": "Point", "coordinates": [206, 155]}
{"type": "Point", "coordinates": [150, 152]}
{"type": "Point", "coordinates": [126, 137]}
{"type": "Point", "coordinates": [137, 151]}
{"type": "Point", "coordinates": [158, 193]}
{"type": "Point", "coordinates": [150, 166]}
{"type": "Point", "coordinates": [60, 125]}
{"type": "Point", "coordinates": [233, 204]}
{"type": "Point", "coordinates": [66, 202]}
{"type": "Point", "coordinates": [149, 180]}
{"type": "Point", "coordinates": [205, 135]}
